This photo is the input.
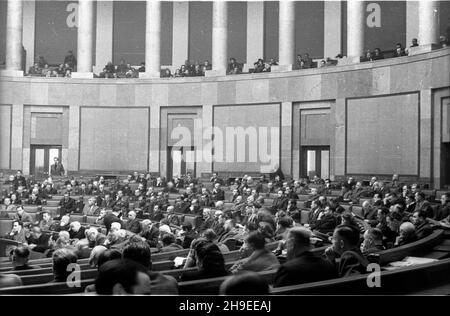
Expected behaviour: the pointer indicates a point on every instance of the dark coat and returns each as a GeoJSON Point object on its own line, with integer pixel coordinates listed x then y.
{"type": "Point", "coordinates": [304, 269]}
{"type": "Point", "coordinates": [423, 230]}
{"type": "Point", "coordinates": [67, 207]}
{"type": "Point", "coordinates": [133, 226]}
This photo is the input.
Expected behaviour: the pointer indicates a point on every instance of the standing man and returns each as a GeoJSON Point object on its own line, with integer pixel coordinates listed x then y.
{"type": "Point", "coordinates": [57, 168]}
{"type": "Point", "coordinates": [71, 60]}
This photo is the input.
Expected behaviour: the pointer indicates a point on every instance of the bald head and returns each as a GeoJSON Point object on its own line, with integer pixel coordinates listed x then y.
{"type": "Point", "coordinates": [407, 228]}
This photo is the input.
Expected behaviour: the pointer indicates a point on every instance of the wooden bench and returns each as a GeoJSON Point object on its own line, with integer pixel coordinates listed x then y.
{"type": "Point", "coordinates": [88, 273]}
{"type": "Point", "coordinates": [401, 281]}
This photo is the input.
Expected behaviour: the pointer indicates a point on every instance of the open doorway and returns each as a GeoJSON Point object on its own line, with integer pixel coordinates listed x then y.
{"type": "Point", "coordinates": [41, 159]}
{"type": "Point", "coordinates": [180, 161]}
{"type": "Point", "coordinates": [315, 160]}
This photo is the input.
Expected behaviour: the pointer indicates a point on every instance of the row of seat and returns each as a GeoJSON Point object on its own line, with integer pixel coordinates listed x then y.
{"type": "Point", "coordinates": [211, 286]}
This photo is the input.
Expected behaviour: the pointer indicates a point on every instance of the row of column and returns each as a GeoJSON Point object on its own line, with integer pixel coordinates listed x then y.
{"type": "Point", "coordinates": [428, 13]}
{"type": "Point", "coordinates": [428, 34]}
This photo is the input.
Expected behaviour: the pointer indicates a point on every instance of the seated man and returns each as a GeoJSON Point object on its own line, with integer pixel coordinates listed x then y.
{"type": "Point", "coordinates": [35, 70]}
{"type": "Point", "coordinates": [109, 71]}
{"type": "Point", "coordinates": [280, 202]}
{"type": "Point", "coordinates": [244, 283]}
{"type": "Point", "coordinates": [373, 241]}
{"type": "Point", "coordinates": [91, 208]}
{"type": "Point", "coordinates": [399, 51]}
{"type": "Point", "coordinates": [34, 200]}
{"type": "Point", "coordinates": [94, 237]}
{"type": "Point", "coordinates": [326, 221]}
{"type": "Point", "coordinates": [420, 221]}
{"type": "Point", "coordinates": [76, 231]}
{"type": "Point", "coordinates": [133, 224]}
{"type": "Point", "coordinates": [407, 234]}
{"type": "Point", "coordinates": [38, 241]}
{"type": "Point", "coordinates": [19, 258]}
{"type": "Point", "coordinates": [168, 242]}
{"type": "Point", "coordinates": [121, 276]}
{"type": "Point", "coordinates": [302, 265]}
{"type": "Point", "coordinates": [443, 210]}
{"type": "Point", "coordinates": [64, 224]}
{"type": "Point", "coordinates": [23, 216]}
{"type": "Point", "coordinates": [160, 284]}
{"type": "Point", "coordinates": [62, 258]}
{"type": "Point", "coordinates": [67, 205]}
{"type": "Point", "coordinates": [345, 248]}
{"type": "Point", "coordinates": [423, 204]}
{"type": "Point", "coordinates": [149, 233]}
{"type": "Point", "coordinates": [7, 208]}
{"type": "Point", "coordinates": [18, 233]}
{"type": "Point", "coordinates": [260, 259]}
{"type": "Point", "coordinates": [217, 193]}
{"type": "Point", "coordinates": [231, 231]}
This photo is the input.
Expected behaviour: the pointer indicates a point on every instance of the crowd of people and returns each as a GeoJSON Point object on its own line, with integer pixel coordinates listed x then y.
{"type": "Point", "coordinates": [126, 70]}
{"type": "Point", "coordinates": [134, 217]}
{"type": "Point", "coordinates": [398, 51]}
{"type": "Point", "coordinates": [42, 69]}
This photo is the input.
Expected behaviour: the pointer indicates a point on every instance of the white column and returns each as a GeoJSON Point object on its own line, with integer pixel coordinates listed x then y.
{"type": "Point", "coordinates": [104, 35]}
{"type": "Point", "coordinates": [29, 21]}
{"type": "Point", "coordinates": [428, 22]}
{"type": "Point", "coordinates": [14, 38]}
{"type": "Point", "coordinates": [286, 36]}
{"type": "Point", "coordinates": [152, 40]}
{"type": "Point", "coordinates": [428, 33]}
{"type": "Point", "coordinates": [85, 36]}
{"type": "Point", "coordinates": [355, 30]}
{"type": "Point", "coordinates": [255, 33]}
{"type": "Point", "coordinates": [180, 34]}
{"type": "Point", "coordinates": [332, 29]}
{"type": "Point", "coordinates": [219, 39]}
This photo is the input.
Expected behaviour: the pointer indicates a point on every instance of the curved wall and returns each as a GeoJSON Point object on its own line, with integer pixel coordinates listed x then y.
{"type": "Point", "coordinates": [406, 98]}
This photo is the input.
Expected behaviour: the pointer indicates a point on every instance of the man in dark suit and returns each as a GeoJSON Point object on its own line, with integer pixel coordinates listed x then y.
{"type": "Point", "coordinates": [37, 240]}
{"type": "Point", "coordinates": [399, 50]}
{"type": "Point", "coordinates": [67, 205]}
{"type": "Point", "coordinates": [423, 205]}
{"type": "Point", "coordinates": [133, 225]}
{"type": "Point", "coordinates": [34, 200]}
{"type": "Point", "coordinates": [260, 259]}
{"type": "Point", "coordinates": [420, 221]}
{"type": "Point", "coordinates": [112, 217]}
{"type": "Point", "coordinates": [217, 193]}
{"type": "Point", "coordinates": [369, 213]}
{"type": "Point", "coordinates": [57, 169]}
{"type": "Point", "coordinates": [19, 180]}
{"type": "Point", "coordinates": [316, 210]}
{"type": "Point", "coordinates": [231, 232]}
{"type": "Point", "coordinates": [302, 265]}
{"type": "Point", "coordinates": [215, 178]}
{"type": "Point", "coordinates": [20, 256]}
{"type": "Point", "coordinates": [443, 210]}
{"type": "Point", "coordinates": [21, 193]}
{"type": "Point", "coordinates": [280, 202]}
{"type": "Point", "coordinates": [290, 194]}
{"type": "Point", "coordinates": [76, 231]}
